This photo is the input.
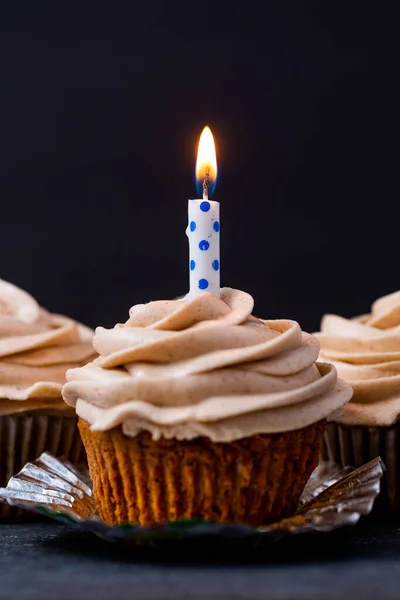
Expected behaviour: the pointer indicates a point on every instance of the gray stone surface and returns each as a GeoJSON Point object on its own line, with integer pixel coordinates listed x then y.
{"type": "Point", "coordinates": [45, 560]}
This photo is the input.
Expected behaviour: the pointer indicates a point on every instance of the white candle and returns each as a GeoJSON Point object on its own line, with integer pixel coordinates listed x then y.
{"type": "Point", "coordinates": [203, 234]}
{"type": "Point", "coordinates": [203, 228]}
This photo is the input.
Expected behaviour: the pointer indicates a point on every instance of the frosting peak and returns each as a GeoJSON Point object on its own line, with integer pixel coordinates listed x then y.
{"type": "Point", "coordinates": [204, 366]}
{"type": "Point", "coordinates": [36, 349]}
{"type": "Point", "coordinates": [366, 353]}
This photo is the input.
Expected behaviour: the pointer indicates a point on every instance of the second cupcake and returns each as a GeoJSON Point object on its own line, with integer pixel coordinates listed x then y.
{"type": "Point", "coordinates": [36, 349]}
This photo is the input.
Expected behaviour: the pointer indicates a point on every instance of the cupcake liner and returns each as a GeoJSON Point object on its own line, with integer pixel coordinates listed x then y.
{"type": "Point", "coordinates": [355, 445]}
{"type": "Point", "coordinates": [333, 497]}
{"type": "Point", "coordinates": [24, 437]}
{"type": "Point", "coordinates": [254, 480]}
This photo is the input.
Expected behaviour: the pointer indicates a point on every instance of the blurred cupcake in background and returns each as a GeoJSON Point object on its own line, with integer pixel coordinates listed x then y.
{"type": "Point", "coordinates": [36, 349]}
{"type": "Point", "coordinates": [366, 353]}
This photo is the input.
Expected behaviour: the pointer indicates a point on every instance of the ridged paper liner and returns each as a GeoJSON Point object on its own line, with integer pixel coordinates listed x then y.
{"type": "Point", "coordinates": [255, 480]}
{"type": "Point", "coordinates": [24, 437]}
{"type": "Point", "coordinates": [332, 498]}
{"type": "Point", "coordinates": [356, 445]}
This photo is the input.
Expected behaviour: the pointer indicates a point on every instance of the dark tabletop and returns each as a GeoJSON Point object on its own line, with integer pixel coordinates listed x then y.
{"type": "Point", "coordinates": [46, 560]}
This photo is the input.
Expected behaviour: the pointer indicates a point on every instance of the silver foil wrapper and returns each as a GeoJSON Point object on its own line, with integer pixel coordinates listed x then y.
{"type": "Point", "coordinates": [23, 437]}
{"type": "Point", "coordinates": [356, 445]}
{"type": "Point", "coordinates": [334, 497]}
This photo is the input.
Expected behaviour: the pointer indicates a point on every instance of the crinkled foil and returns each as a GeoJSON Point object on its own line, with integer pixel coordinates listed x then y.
{"type": "Point", "coordinates": [25, 436]}
{"type": "Point", "coordinates": [334, 497]}
{"type": "Point", "coordinates": [356, 445]}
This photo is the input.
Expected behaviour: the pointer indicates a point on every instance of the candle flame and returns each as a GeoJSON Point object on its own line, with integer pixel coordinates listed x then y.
{"type": "Point", "coordinates": [206, 164]}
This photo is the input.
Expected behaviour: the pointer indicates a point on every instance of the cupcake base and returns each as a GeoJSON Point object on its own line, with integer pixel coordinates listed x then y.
{"type": "Point", "coordinates": [357, 445]}
{"type": "Point", "coordinates": [24, 437]}
{"type": "Point", "coordinates": [255, 480]}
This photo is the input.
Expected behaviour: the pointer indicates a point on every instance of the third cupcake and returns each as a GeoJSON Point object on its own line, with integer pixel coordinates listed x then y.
{"type": "Point", "coordinates": [366, 353]}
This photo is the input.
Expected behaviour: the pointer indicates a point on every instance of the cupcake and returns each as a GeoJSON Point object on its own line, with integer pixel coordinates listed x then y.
{"type": "Point", "coordinates": [366, 352]}
{"type": "Point", "coordinates": [197, 409]}
{"type": "Point", "coordinates": [36, 349]}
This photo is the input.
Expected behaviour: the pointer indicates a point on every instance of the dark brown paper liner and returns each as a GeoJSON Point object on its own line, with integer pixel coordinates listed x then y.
{"type": "Point", "coordinates": [255, 480]}
{"type": "Point", "coordinates": [24, 437]}
{"type": "Point", "coordinates": [356, 445]}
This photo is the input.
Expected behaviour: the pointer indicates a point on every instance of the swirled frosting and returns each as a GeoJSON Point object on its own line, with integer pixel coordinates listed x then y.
{"type": "Point", "coordinates": [366, 353]}
{"type": "Point", "coordinates": [204, 366]}
{"type": "Point", "coordinates": [36, 349]}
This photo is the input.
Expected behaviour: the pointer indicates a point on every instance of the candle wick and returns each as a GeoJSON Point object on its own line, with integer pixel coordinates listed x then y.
{"type": "Point", "coordinates": [205, 183]}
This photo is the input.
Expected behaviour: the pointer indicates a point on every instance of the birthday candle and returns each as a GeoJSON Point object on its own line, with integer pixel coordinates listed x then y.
{"type": "Point", "coordinates": [204, 225]}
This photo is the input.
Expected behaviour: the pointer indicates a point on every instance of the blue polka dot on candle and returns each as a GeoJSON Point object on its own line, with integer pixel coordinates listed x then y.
{"type": "Point", "coordinates": [205, 206]}
{"type": "Point", "coordinates": [203, 284]}
{"type": "Point", "coordinates": [192, 225]}
{"type": "Point", "coordinates": [216, 226]}
{"type": "Point", "coordinates": [192, 265]}
{"type": "Point", "coordinates": [215, 265]}
{"type": "Point", "coordinates": [204, 245]}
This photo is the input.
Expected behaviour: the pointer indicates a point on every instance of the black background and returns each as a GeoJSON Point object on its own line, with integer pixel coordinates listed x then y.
{"type": "Point", "coordinates": [101, 106]}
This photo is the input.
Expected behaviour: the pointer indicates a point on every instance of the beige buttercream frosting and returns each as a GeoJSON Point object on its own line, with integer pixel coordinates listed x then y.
{"type": "Point", "coordinates": [366, 353]}
{"type": "Point", "coordinates": [36, 349]}
{"type": "Point", "coordinates": [204, 366]}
